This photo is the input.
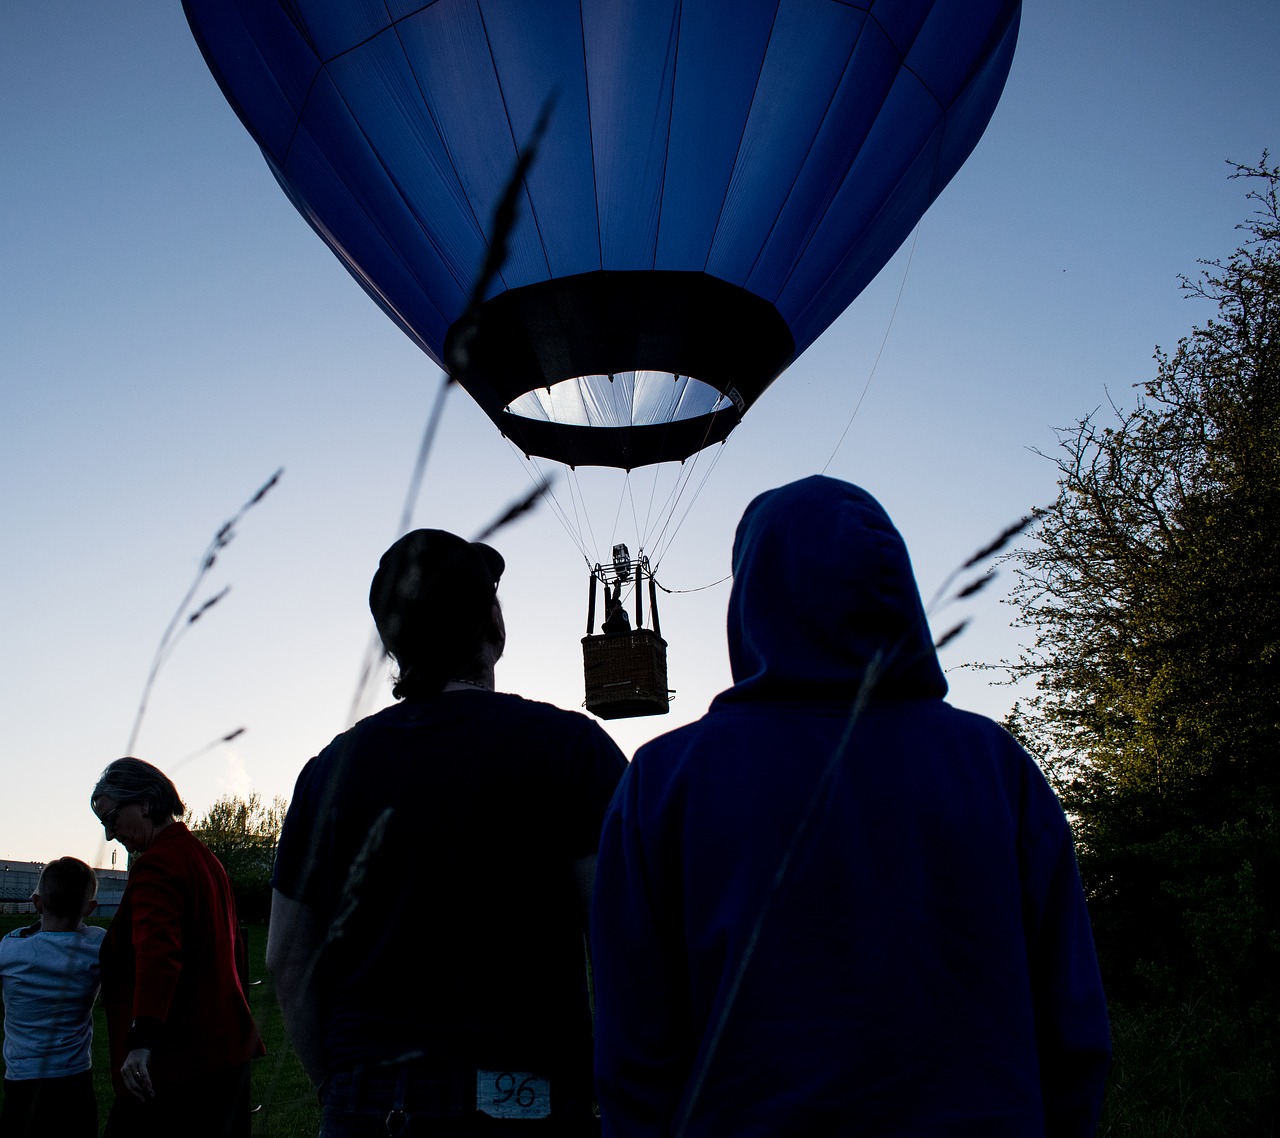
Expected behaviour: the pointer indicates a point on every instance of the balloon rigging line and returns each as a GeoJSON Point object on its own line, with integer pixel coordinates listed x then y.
{"type": "Point", "coordinates": [668, 506]}
{"type": "Point", "coordinates": [698, 589]}
{"type": "Point", "coordinates": [533, 468]}
{"type": "Point", "coordinates": [648, 513]}
{"type": "Point", "coordinates": [678, 487]}
{"type": "Point", "coordinates": [665, 542]}
{"type": "Point", "coordinates": [534, 473]}
{"type": "Point", "coordinates": [581, 510]}
{"type": "Point", "coordinates": [581, 516]}
{"type": "Point", "coordinates": [682, 485]}
{"type": "Point", "coordinates": [706, 477]}
{"type": "Point", "coordinates": [578, 527]}
{"type": "Point", "coordinates": [630, 486]}
{"type": "Point", "coordinates": [575, 518]}
{"type": "Point", "coordinates": [575, 523]}
{"type": "Point", "coordinates": [664, 511]}
{"type": "Point", "coordinates": [643, 531]}
{"type": "Point", "coordinates": [623, 495]}
{"type": "Point", "coordinates": [876, 363]}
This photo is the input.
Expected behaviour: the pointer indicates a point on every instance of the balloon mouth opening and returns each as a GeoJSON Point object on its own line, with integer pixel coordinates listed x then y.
{"type": "Point", "coordinates": [619, 368]}
{"type": "Point", "coordinates": [623, 399]}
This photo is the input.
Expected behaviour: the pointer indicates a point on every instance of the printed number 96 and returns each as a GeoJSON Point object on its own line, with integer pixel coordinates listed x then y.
{"type": "Point", "coordinates": [507, 1087]}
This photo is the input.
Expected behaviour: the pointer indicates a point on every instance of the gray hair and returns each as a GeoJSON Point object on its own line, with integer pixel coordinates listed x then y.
{"type": "Point", "coordinates": [132, 780]}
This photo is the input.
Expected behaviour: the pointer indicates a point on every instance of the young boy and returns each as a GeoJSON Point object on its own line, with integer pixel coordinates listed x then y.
{"type": "Point", "coordinates": [49, 974]}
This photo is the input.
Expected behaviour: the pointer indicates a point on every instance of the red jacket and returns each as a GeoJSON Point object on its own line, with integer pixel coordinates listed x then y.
{"type": "Point", "coordinates": [172, 963]}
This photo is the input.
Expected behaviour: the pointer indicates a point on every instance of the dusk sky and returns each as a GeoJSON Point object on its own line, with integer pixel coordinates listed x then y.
{"type": "Point", "coordinates": [172, 332]}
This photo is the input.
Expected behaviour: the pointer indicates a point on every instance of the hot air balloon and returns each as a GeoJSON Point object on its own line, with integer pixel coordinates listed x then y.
{"type": "Point", "coordinates": [717, 181]}
{"type": "Point", "coordinates": [712, 183]}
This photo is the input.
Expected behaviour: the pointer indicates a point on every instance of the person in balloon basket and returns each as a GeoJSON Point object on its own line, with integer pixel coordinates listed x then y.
{"type": "Point", "coordinates": [49, 974]}
{"type": "Point", "coordinates": [616, 621]}
{"type": "Point", "coordinates": [173, 971]}
{"type": "Point", "coordinates": [433, 876]}
{"type": "Point", "coordinates": [836, 904]}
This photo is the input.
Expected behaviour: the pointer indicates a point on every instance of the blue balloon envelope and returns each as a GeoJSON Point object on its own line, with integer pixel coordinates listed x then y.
{"type": "Point", "coordinates": [714, 183]}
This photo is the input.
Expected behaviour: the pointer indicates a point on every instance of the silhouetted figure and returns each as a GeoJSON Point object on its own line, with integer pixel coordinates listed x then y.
{"type": "Point", "coordinates": [173, 971]}
{"type": "Point", "coordinates": [433, 879]}
{"type": "Point", "coordinates": [49, 975]}
{"type": "Point", "coordinates": [616, 621]}
{"type": "Point", "coordinates": [836, 904]}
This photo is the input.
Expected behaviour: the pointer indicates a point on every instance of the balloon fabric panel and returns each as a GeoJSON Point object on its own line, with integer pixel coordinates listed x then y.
{"type": "Point", "coordinates": [716, 78]}
{"type": "Point", "coordinates": [797, 145]}
{"type": "Point", "coordinates": [534, 65]}
{"type": "Point", "coordinates": [631, 56]}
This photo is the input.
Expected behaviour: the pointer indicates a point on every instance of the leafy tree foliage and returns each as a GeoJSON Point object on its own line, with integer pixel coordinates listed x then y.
{"type": "Point", "coordinates": [1154, 591]}
{"type": "Point", "coordinates": [242, 833]}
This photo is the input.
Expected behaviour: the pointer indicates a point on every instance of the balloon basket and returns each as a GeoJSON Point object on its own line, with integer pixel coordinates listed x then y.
{"type": "Point", "coordinates": [626, 674]}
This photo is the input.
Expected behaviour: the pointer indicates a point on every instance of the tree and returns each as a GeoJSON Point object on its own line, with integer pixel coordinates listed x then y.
{"type": "Point", "coordinates": [243, 833]}
{"type": "Point", "coordinates": [1153, 588]}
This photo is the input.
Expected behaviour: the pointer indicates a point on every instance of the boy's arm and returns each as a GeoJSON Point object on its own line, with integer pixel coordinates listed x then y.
{"type": "Point", "coordinates": [295, 937]}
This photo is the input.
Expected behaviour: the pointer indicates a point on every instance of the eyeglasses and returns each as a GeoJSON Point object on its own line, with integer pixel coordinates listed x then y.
{"type": "Point", "coordinates": [108, 819]}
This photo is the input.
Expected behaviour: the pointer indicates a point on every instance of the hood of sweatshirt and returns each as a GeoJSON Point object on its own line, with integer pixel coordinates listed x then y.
{"type": "Point", "coordinates": [824, 600]}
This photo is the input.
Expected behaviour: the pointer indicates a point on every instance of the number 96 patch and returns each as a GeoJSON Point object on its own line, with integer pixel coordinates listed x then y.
{"type": "Point", "coordinates": [513, 1094]}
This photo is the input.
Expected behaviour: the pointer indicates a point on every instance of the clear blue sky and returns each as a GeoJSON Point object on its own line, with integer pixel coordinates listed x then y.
{"type": "Point", "coordinates": [171, 332]}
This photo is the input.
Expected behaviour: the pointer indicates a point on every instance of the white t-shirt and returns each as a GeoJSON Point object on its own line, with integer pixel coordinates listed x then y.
{"type": "Point", "coordinates": [50, 981]}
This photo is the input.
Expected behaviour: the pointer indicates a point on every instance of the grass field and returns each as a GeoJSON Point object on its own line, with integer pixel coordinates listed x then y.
{"type": "Point", "coordinates": [1156, 1091]}
{"type": "Point", "coordinates": [287, 1106]}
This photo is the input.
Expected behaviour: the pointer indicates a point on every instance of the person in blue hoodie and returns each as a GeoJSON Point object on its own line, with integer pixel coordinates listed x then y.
{"type": "Point", "coordinates": [836, 905]}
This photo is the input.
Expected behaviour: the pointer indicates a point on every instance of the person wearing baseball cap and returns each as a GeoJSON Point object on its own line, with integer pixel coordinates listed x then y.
{"type": "Point", "coordinates": [434, 600]}
{"type": "Point", "coordinates": [436, 858]}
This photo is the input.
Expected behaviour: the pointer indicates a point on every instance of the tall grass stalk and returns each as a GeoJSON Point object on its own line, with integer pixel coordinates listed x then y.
{"type": "Point", "coordinates": [185, 616]}
{"type": "Point", "coordinates": [504, 220]}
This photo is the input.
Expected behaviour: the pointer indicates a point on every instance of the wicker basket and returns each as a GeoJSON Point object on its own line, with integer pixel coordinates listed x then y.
{"type": "Point", "coordinates": [626, 674]}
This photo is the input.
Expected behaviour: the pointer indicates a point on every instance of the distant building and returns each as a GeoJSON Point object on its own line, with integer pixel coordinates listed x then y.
{"type": "Point", "coordinates": [18, 880]}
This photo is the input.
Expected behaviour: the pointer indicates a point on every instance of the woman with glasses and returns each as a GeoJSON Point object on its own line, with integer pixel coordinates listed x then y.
{"type": "Point", "coordinates": [173, 966]}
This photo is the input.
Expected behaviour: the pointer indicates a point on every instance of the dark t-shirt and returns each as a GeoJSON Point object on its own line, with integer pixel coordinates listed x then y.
{"type": "Point", "coordinates": [435, 840]}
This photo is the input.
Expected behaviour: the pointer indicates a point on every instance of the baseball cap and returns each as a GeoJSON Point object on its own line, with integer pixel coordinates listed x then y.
{"type": "Point", "coordinates": [432, 593]}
